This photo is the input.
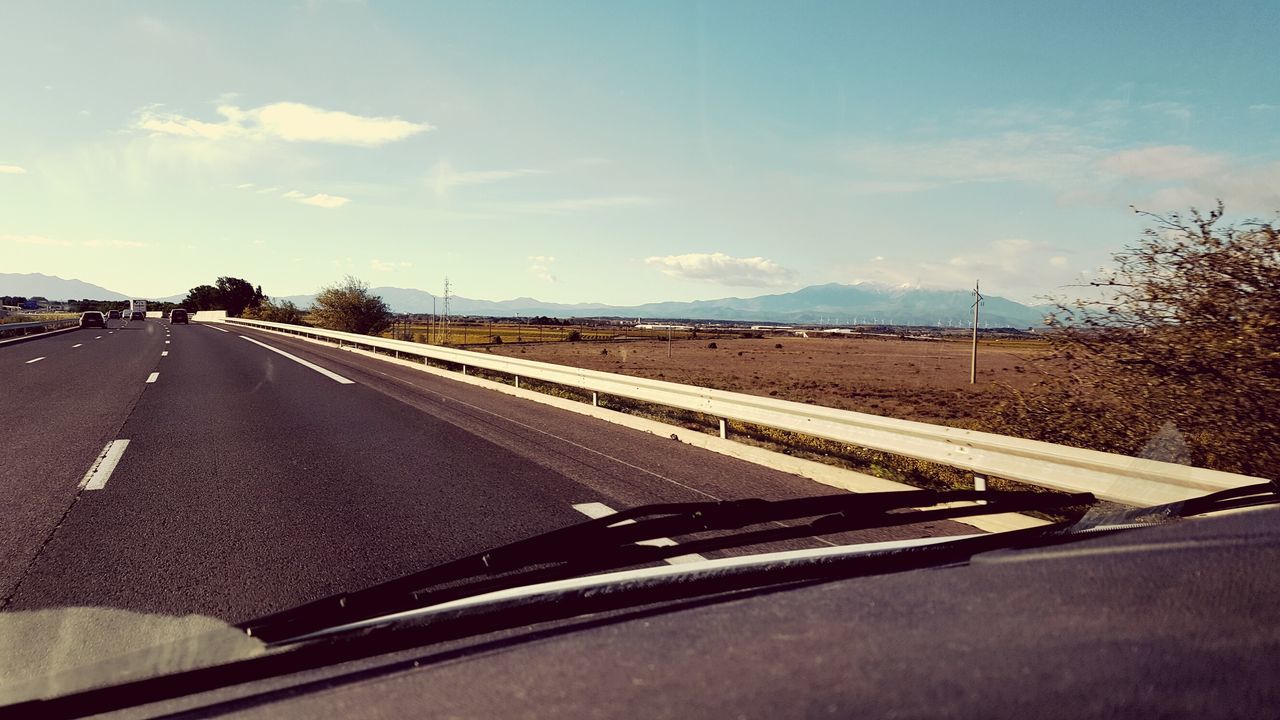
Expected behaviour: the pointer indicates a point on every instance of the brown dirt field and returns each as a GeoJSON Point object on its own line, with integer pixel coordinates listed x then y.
{"type": "Point", "coordinates": [908, 379]}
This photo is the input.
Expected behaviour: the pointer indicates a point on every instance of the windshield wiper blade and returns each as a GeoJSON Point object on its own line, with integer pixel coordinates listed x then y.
{"type": "Point", "coordinates": [609, 543]}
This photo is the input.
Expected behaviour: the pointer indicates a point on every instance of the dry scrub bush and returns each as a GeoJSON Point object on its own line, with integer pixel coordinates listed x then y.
{"type": "Point", "coordinates": [1180, 358]}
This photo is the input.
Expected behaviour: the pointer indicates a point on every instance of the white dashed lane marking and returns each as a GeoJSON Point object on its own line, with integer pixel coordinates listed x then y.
{"type": "Point", "coordinates": [34, 360]}
{"type": "Point", "coordinates": [77, 345]}
{"type": "Point", "coordinates": [100, 472]}
{"type": "Point", "coordinates": [153, 377]}
{"type": "Point", "coordinates": [598, 510]}
{"type": "Point", "coordinates": [164, 353]}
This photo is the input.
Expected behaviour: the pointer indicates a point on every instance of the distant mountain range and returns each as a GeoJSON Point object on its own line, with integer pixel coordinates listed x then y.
{"type": "Point", "coordinates": [833, 303]}
{"type": "Point", "coordinates": [54, 288]}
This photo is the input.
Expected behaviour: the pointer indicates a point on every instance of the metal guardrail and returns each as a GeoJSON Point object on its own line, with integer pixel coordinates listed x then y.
{"type": "Point", "coordinates": [1118, 478]}
{"type": "Point", "coordinates": [24, 326]}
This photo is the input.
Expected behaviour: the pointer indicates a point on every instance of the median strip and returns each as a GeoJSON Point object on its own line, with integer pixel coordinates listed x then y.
{"type": "Point", "coordinates": [596, 510]}
{"type": "Point", "coordinates": [34, 360]}
{"type": "Point", "coordinates": [327, 373]}
{"type": "Point", "coordinates": [97, 477]}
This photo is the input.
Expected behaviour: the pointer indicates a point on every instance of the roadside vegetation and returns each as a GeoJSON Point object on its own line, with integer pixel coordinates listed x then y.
{"type": "Point", "coordinates": [349, 306]}
{"type": "Point", "coordinates": [232, 294]}
{"type": "Point", "coordinates": [1178, 356]}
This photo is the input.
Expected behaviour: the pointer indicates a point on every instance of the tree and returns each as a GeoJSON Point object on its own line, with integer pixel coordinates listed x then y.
{"type": "Point", "coordinates": [203, 297]}
{"type": "Point", "coordinates": [349, 306]}
{"type": "Point", "coordinates": [237, 294]}
{"type": "Point", "coordinates": [228, 293]}
{"type": "Point", "coordinates": [1178, 358]}
{"type": "Point", "coordinates": [281, 312]}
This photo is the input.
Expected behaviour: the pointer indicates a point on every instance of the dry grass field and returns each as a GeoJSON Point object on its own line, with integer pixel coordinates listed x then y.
{"type": "Point", "coordinates": [908, 379]}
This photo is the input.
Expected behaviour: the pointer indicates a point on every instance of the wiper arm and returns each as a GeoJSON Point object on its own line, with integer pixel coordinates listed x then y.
{"type": "Point", "coordinates": [606, 544]}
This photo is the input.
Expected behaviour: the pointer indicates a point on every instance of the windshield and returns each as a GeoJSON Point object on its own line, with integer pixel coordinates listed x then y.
{"type": "Point", "coordinates": [423, 280]}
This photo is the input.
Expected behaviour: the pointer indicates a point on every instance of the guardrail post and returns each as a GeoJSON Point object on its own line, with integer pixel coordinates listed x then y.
{"type": "Point", "coordinates": [517, 381]}
{"type": "Point", "coordinates": [464, 369]}
{"type": "Point", "coordinates": [980, 483]}
{"type": "Point", "coordinates": [595, 401]}
{"type": "Point", "coordinates": [723, 435]}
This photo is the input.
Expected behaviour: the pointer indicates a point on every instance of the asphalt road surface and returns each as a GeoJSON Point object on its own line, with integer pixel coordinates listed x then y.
{"type": "Point", "coordinates": [262, 471]}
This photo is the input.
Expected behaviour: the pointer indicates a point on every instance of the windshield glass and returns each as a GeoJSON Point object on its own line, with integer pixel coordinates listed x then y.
{"type": "Point", "coordinates": [426, 279]}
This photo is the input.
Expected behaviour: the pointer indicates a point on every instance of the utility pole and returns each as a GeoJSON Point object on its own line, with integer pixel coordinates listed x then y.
{"type": "Point", "coordinates": [445, 341]}
{"type": "Point", "coordinates": [973, 357]}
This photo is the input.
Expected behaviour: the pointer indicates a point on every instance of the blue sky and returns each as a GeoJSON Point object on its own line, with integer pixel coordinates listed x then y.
{"type": "Point", "coordinates": [621, 152]}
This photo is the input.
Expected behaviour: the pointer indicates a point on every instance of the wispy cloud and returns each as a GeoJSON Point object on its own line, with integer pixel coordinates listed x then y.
{"type": "Point", "coordinates": [287, 121]}
{"type": "Point", "coordinates": [1011, 266]}
{"type": "Point", "coordinates": [36, 240]}
{"type": "Point", "coordinates": [324, 201]}
{"type": "Point", "coordinates": [443, 176]}
{"type": "Point", "coordinates": [113, 244]}
{"type": "Point", "coordinates": [571, 205]}
{"type": "Point", "coordinates": [60, 242]}
{"type": "Point", "coordinates": [387, 266]}
{"type": "Point", "coordinates": [1164, 162]}
{"type": "Point", "coordinates": [1243, 188]}
{"type": "Point", "coordinates": [723, 269]}
{"type": "Point", "coordinates": [12, 170]}
{"type": "Point", "coordinates": [1053, 157]}
{"type": "Point", "coordinates": [540, 266]}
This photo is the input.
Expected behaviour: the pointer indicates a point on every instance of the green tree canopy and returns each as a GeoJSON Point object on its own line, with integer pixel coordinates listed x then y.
{"type": "Point", "coordinates": [228, 293]}
{"type": "Point", "coordinates": [350, 307]}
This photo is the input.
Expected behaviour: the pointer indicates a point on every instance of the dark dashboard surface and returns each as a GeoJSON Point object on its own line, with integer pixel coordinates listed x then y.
{"type": "Point", "coordinates": [1177, 620]}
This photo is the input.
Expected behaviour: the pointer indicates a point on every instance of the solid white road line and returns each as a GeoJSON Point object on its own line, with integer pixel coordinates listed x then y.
{"type": "Point", "coordinates": [77, 345]}
{"type": "Point", "coordinates": [164, 353]}
{"type": "Point", "coordinates": [215, 327]}
{"type": "Point", "coordinates": [97, 477]}
{"type": "Point", "coordinates": [152, 377]}
{"type": "Point", "coordinates": [598, 510]}
{"type": "Point", "coordinates": [36, 359]}
{"type": "Point", "coordinates": [327, 373]}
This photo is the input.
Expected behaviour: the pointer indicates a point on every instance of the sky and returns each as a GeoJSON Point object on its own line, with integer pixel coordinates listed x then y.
{"type": "Point", "coordinates": [622, 152]}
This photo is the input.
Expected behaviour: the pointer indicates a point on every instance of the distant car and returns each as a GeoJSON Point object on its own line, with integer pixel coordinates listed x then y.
{"type": "Point", "coordinates": [137, 315]}
{"type": "Point", "coordinates": [113, 315]}
{"type": "Point", "coordinates": [178, 315]}
{"type": "Point", "coordinates": [92, 318]}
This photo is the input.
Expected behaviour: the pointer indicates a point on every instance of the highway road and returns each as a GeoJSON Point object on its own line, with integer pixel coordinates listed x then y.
{"type": "Point", "coordinates": [262, 471]}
